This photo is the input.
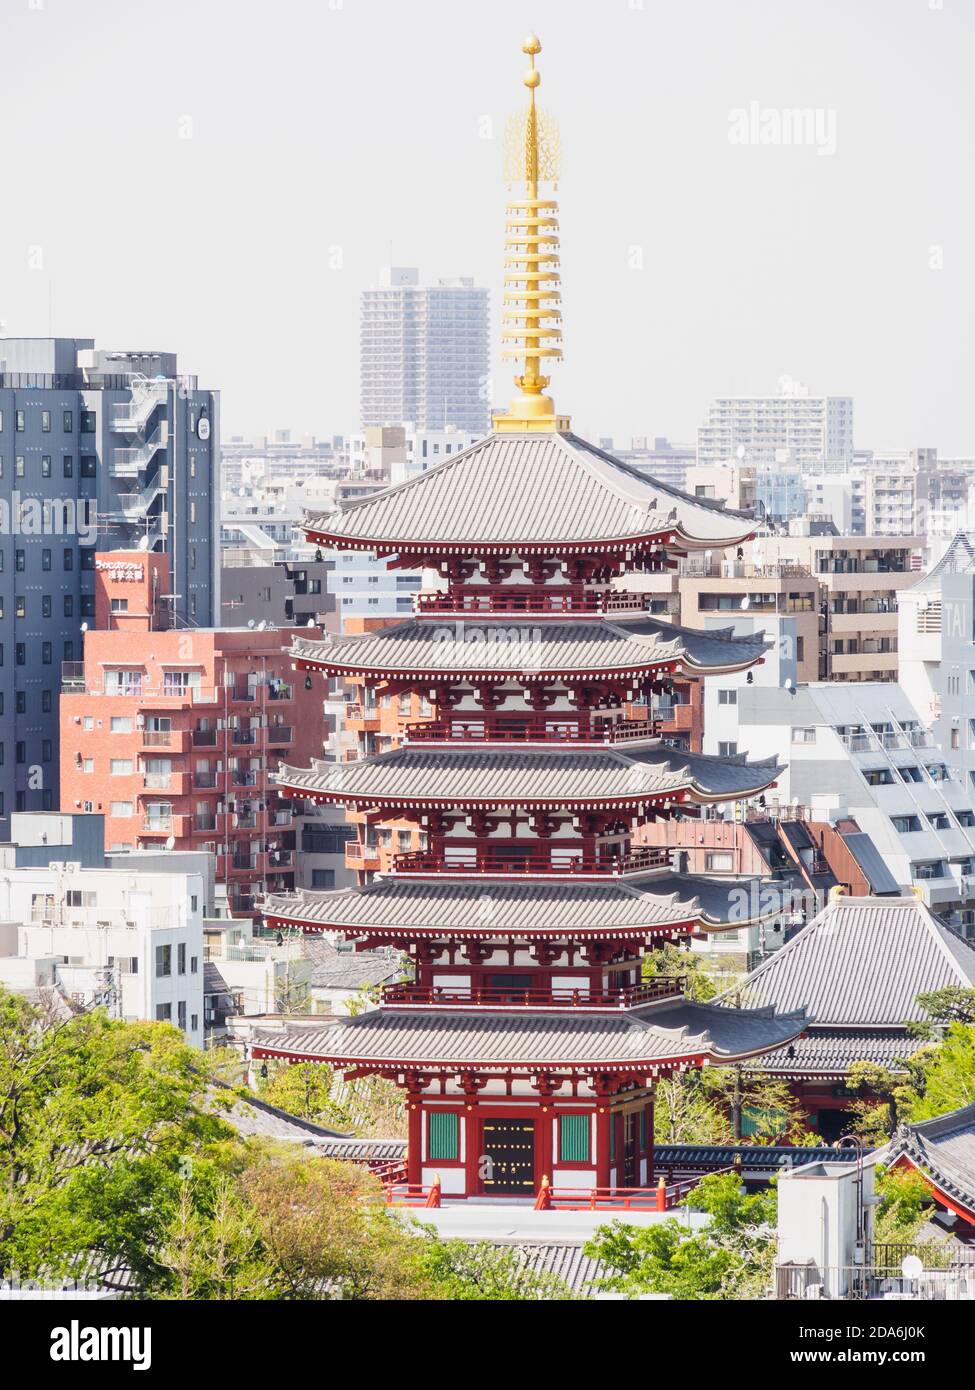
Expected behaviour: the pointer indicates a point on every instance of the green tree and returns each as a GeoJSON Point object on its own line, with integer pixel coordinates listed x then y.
{"type": "Point", "coordinates": [99, 1122]}
{"type": "Point", "coordinates": [947, 1075]}
{"type": "Point", "coordinates": [305, 1089]}
{"type": "Point", "coordinates": [953, 1004]}
{"type": "Point", "coordinates": [684, 1113]}
{"type": "Point", "coordinates": [671, 960]}
{"type": "Point", "coordinates": [744, 1092]}
{"type": "Point", "coordinates": [463, 1271]}
{"type": "Point", "coordinates": [731, 1259]}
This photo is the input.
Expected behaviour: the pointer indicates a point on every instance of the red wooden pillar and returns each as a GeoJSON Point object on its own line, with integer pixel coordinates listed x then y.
{"type": "Point", "coordinates": [414, 1143]}
{"type": "Point", "coordinates": [544, 1131]}
{"type": "Point", "coordinates": [472, 1150]}
{"type": "Point", "coordinates": [649, 1113]}
{"type": "Point", "coordinates": [603, 1121]}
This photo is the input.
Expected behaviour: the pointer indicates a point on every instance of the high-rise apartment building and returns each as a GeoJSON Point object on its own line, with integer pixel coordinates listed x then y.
{"type": "Point", "coordinates": [804, 429]}
{"type": "Point", "coordinates": [97, 450]}
{"type": "Point", "coordinates": [424, 353]}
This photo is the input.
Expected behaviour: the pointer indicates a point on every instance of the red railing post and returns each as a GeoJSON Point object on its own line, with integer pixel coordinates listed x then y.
{"type": "Point", "coordinates": [433, 1197]}
{"type": "Point", "coordinates": [543, 1202]}
{"type": "Point", "coordinates": [661, 1196]}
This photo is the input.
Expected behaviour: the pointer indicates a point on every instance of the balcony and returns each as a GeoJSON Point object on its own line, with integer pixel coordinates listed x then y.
{"type": "Point", "coordinates": [177, 826]}
{"type": "Point", "coordinates": [526, 729]}
{"type": "Point", "coordinates": [364, 858]}
{"type": "Point", "coordinates": [361, 719]}
{"type": "Point", "coordinates": [246, 863]}
{"type": "Point", "coordinates": [246, 737]}
{"type": "Point", "coordinates": [278, 860]}
{"type": "Point", "coordinates": [279, 734]}
{"type": "Point", "coordinates": [173, 740]}
{"type": "Point", "coordinates": [505, 599]}
{"type": "Point", "coordinates": [204, 823]}
{"type": "Point", "coordinates": [500, 862]}
{"type": "Point", "coordinates": [421, 996]}
{"type": "Point", "coordinates": [241, 777]}
{"type": "Point", "coordinates": [205, 781]}
{"type": "Point", "coordinates": [205, 738]}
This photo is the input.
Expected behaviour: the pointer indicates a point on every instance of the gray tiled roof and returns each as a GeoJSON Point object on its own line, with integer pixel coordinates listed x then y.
{"type": "Point", "coordinates": [654, 1033]}
{"type": "Point", "coordinates": [943, 1148]}
{"type": "Point", "coordinates": [533, 489]}
{"type": "Point", "coordinates": [830, 1052]}
{"type": "Point", "coordinates": [254, 1117]}
{"type": "Point", "coordinates": [485, 644]}
{"type": "Point", "coordinates": [353, 969]}
{"type": "Point", "coordinates": [862, 963]}
{"type": "Point", "coordinates": [442, 904]}
{"type": "Point", "coordinates": [554, 776]}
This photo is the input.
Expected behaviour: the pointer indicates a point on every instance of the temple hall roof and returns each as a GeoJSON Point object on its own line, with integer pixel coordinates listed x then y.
{"type": "Point", "coordinates": [438, 775]}
{"type": "Point", "coordinates": [861, 963]}
{"type": "Point", "coordinates": [490, 643]}
{"type": "Point", "coordinates": [523, 492]}
{"type": "Point", "coordinates": [943, 1149]}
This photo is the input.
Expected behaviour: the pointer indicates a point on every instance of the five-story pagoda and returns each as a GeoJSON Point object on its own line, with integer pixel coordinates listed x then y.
{"type": "Point", "coordinates": [528, 1043]}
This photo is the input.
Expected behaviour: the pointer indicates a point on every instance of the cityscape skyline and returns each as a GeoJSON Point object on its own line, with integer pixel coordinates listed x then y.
{"type": "Point", "coordinates": [814, 223]}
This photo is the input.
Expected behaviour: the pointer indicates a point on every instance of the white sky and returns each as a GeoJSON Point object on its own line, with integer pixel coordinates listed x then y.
{"type": "Point", "coordinates": [357, 125]}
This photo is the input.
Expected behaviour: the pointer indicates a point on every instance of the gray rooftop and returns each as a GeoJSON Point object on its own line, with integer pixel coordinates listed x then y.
{"type": "Point", "coordinates": [528, 490]}
{"type": "Point", "coordinates": [659, 1033]}
{"type": "Point", "coordinates": [829, 1053]}
{"type": "Point", "coordinates": [491, 644]}
{"type": "Point", "coordinates": [645, 903]}
{"type": "Point", "coordinates": [551, 776]}
{"type": "Point", "coordinates": [861, 963]}
{"type": "Point", "coordinates": [944, 1149]}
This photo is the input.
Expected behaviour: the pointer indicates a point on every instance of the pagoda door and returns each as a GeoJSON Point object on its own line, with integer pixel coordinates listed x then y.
{"type": "Point", "coordinates": [509, 1145]}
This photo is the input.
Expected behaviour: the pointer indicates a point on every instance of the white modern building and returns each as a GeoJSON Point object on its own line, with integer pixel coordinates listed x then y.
{"type": "Point", "coordinates": [936, 638]}
{"type": "Point", "coordinates": [130, 940]}
{"type": "Point", "coordinates": [424, 353]}
{"type": "Point", "coordinates": [861, 751]}
{"type": "Point", "coordinates": [808, 429]}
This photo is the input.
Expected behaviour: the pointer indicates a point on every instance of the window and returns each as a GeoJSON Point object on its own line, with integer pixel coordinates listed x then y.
{"type": "Point", "coordinates": [443, 1140]}
{"type": "Point", "coordinates": [67, 422]}
{"type": "Point", "coordinates": [46, 653]}
{"type": "Point", "coordinates": [45, 702]}
{"type": "Point", "coordinates": [194, 965]}
{"type": "Point", "coordinates": [88, 764]}
{"type": "Point", "coordinates": [20, 466]}
{"type": "Point", "coordinates": [574, 1138]}
{"type": "Point", "coordinates": [123, 681]}
{"type": "Point", "coordinates": [121, 767]}
{"type": "Point", "coordinates": [120, 810]}
{"type": "Point", "coordinates": [68, 558]}
{"type": "Point", "coordinates": [181, 958]}
{"type": "Point", "coordinates": [906, 825]}
{"type": "Point", "coordinates": [727, 748]}
{"type": "Point", "coordinates": [803, 735]}
{"type": "Point", "coordinates": [120, 605]}
{"type": "Point", "coordinates": [20, 606]}
{"type": "Point", "coordinates": [87, 422]}
{"type": "Point", "coordinates": [181, 1014]}
{"type": "Point", "coordinates": [164, 961]}
{"type": "Point", "coordinates": [121, 724]}
{"type": "Point", "coordinates": [719, 862]}
{"type": "Point", "coordinates": [89, 465]}
{"type": "Point", "coordinates": [68, 465]}
{"type": "Point", "coordinates": [20, 654]}
{"type": "Point", "coordinates": [164, 1012]}
{"type": "Point", "coordinates": [47, 750]}
{"type": "Point", "coordinates": [323, 878]}
{"type": "Point", "coordinates": [45, 559]}
{"type": "Point", "coordinates": [46, 421]}
{"type": "Point", "coordinates": [20, 422]}
{"type": "Point", "coordinates": [20, 561]}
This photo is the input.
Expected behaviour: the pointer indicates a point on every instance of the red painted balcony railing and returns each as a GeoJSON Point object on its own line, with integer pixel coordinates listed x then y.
{"type": "Point", "coordinates": [498, 862]}
{"type": "Point", "coordinates": [510, 729]}
{"type": "Point", "coordinates": [504, 599]}
{"type": "Point", "coordinates": [660, 987]}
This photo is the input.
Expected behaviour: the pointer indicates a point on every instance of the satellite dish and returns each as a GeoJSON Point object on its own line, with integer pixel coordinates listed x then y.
{"type": "Point", "coordinates": [250, 622]}
{"type": "Point", "coordinates": [262, 625]}
{"type": "Point", "coordinates": [170, 841]}
{"type": "Point", "coordinates": [746, 602]}
{"type": "Point", "coordinates": [143, 543]}
{"type": "Point", "coordinates": [912, 1267]}
{"type": "Point", "coordinates": [310, 622]}
{"type": "Point", "coordinates": [84, 627]}
{"type": "Point", "coordinates": [788, 682]}
{"type": "Point", "coordinates": [740, 451]}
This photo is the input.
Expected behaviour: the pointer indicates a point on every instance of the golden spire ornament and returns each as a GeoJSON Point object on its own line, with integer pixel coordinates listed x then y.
{"type": "Point", "coordinates": [532, 292]}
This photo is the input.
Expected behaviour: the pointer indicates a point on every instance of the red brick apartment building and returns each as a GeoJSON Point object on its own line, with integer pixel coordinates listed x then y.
{"type": "Point", "coordinates": [171, 733]}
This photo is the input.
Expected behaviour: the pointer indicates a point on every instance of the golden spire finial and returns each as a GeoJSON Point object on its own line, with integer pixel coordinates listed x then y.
{"type": "Point", "coordinates": [531, 300]}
